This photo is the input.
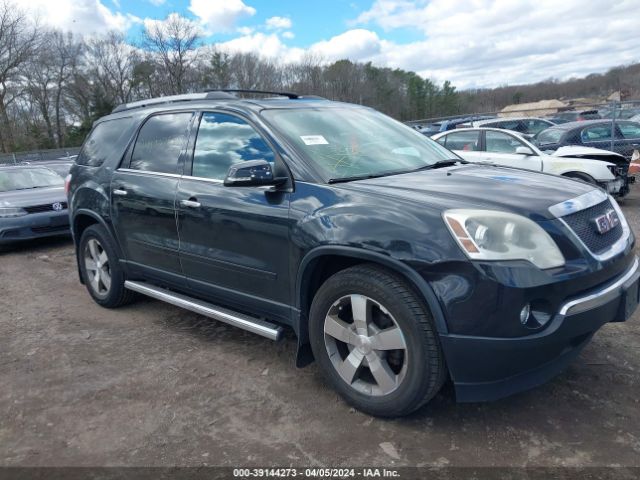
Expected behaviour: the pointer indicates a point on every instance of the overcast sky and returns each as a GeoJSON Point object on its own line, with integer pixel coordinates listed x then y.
{"type": "Point", "coordinates": [473, 43]}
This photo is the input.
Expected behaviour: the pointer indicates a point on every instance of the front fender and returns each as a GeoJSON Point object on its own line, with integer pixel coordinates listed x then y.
{"type": "Point", "coordinates": [597, 170]}
{"type": "Point", "coordinates": [403, 269]}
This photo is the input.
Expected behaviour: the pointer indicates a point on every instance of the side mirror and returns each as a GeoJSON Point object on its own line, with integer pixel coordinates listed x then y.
{"type": "Point", "coordinates": [253, 173]}
{"type": "Point", "coordinates": [524, 151]}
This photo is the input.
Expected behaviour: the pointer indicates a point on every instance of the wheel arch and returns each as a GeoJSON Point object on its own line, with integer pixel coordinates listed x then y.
{"type": "Point", "coordinates": [322, 262]}
{"type": "Point", "coordinates": [81, 220]}
{"type": "Point", "coordinates": [580, 176]}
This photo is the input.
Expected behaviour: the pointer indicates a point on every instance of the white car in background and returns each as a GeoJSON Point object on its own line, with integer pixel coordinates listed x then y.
{"type": "Point", "coordinates": [503, 147]}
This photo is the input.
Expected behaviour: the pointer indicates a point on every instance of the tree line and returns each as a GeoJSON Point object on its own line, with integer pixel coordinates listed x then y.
{"type": "Point", "coordinates": [54, 84]}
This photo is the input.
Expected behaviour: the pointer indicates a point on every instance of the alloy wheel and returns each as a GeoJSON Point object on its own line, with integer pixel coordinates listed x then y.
{"type": "Point", "coordinates": [98, 267]}
{"type": "Point", "coordinates": [365, 345]}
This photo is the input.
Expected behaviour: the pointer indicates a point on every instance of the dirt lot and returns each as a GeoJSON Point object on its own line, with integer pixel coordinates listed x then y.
{"type": "Point", "coordinates": [151, 384]}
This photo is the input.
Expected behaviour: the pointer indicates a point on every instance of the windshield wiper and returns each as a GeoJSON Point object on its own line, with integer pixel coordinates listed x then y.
{"type": "Point", "coordinates": [442, 163]}
{"type": "Point", "coordinates": [438, 164]}
{"type": "Point", "coordinates": [357, 177]}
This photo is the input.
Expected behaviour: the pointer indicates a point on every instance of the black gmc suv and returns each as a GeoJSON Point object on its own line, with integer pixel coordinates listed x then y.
{"type": "Point", "coordinates": [397, 264]}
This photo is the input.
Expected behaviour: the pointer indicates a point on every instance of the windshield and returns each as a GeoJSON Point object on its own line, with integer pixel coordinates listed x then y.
{"type": "Point", "coordinates": [23, 178]}
{"type": "Point", "coordinates": [356, 142]}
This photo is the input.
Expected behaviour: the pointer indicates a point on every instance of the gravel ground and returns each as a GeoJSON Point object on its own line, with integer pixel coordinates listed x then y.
{"type": "Point", "coordinates": [151, 384]}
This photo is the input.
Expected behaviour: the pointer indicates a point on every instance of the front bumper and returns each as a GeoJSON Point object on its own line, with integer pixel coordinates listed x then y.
{"type": "Point", "coordinates": [34, 225]}
{"type": "Point", "coordinates": [485, 368]}
{"type": "Point", "coordinates": [615, 187]}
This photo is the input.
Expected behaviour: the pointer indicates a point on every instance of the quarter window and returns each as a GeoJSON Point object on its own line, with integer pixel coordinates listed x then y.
{"type": "Point", "coordinates": [160, 142]}
{"type": "Point", "coordinates": [466, 141]}
{"type": "Point", "coordinates": [105, 140]}
{"type": "Point", "coordinates": [224, 140]}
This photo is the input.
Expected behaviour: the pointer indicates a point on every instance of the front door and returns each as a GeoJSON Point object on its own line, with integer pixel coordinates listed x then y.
{"type": "Point", "coordinates": [500, 148]}
{"type": "Point", "coordinates": [234, 241]}
{"type": "Point", "coordinates": [143, 193]}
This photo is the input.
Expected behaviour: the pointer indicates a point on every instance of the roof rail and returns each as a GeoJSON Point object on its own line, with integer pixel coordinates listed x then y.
{"type": "Point", "coordinates": [207, 95]}
{"type": "Point", "coordinates": [289, 95]}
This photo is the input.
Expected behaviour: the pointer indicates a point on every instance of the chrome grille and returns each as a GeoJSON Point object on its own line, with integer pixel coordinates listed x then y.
{"type": "Point", "coordinates": [583, 224]}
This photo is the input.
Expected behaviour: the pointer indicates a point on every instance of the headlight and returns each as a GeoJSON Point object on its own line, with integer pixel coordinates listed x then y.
{"type": "Point", "coordinates": [8, 212]}
{"type": "Point", "coordinates": [494, 235]}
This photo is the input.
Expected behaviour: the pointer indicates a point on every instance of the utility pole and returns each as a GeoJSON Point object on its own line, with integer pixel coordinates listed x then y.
{"type": "Point", "coordinates": [613, 124]}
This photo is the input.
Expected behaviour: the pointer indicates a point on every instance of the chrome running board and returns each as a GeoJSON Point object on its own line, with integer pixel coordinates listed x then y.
{"type": "Point", "coordinates": [254, 325]}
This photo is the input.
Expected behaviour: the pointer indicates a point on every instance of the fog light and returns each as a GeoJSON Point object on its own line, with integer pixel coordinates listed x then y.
{"type": "Point", "coordinates": [524, 314]}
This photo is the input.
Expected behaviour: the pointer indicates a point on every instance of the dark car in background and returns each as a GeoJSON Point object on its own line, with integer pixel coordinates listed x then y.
{"type": "Point", "coordinates": [396, 263]}
{"type": "Point", "coordinates": [33, 204]}
{"type": "Point", "coordinates": [527, 126]}
{"type": "Point", "coordinates": [450, 124]}
{"type": "Point", "coordinates": [620, 113]}
{"type": "Point", "coordinates": [574, 116]}
{"type": "Point", "coordinates": [595, 134]}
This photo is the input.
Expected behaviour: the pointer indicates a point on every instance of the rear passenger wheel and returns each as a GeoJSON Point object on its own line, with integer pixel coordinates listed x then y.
{"type": "Point", "coordinates": [375, 341]}
{"type": "Point", "coordinates": [100, 269]}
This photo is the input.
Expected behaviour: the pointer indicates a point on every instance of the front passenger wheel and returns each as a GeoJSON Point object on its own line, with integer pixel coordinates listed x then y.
{"type": "Point", "coordinates": [100, 268]}
{"type": "Point", "coordinates": [375, 341]}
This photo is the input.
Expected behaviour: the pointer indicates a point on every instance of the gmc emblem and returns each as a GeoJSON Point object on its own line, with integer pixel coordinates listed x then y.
{"type": "Point", "coordinates": [606, 222]}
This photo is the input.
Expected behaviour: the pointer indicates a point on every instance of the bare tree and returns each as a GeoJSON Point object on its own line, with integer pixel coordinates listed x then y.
{"type": "Point", "coordinates": [18, 40]}
{"type": "Point", "coordinates": [174, 40]}
{"type": "Point", "coordinates": [40, 76]}
{"type": "Point", "coordinates": [112, 62]}
{"type": "Point", "coordinates": [67, 55]}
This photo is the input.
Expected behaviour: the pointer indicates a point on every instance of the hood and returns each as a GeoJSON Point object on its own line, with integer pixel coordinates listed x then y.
{"type": "Point", "coordinates": [588, 153]}
{"type": "Point", "coordinates": [477, 186]}
{"type": "Point", "coordinates": [32, 196]}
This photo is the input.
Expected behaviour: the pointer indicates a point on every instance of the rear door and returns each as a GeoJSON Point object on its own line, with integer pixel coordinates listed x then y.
{"type": "Point", "coordinates": [143, 193]}
{"type": "Point", "coordinates": [500, 148]}
{"type": "Point", "coordinates": [599, 136]}
{"type": "Point", "coordinates": [234, 241]}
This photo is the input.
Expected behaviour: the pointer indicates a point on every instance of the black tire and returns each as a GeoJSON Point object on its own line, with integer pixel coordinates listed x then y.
{"type": "Point", "coordinates": [115, 295]}
{"type": "Point", "coordinates": [425, 368]}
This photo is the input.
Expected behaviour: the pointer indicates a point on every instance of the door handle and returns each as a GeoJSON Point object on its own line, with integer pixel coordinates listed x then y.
{"type": "Point", "coordinates": [120, 192]}
{"type": "Point", "coordinates": [190, 203]}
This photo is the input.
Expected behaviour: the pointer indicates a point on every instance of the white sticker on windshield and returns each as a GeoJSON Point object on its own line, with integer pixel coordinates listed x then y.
{"type": "Point", "coordinates": [314, 140]}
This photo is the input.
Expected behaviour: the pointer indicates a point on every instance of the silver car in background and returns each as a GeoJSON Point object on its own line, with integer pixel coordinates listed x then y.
{"type": "Point", "coordinates": [33, 204]}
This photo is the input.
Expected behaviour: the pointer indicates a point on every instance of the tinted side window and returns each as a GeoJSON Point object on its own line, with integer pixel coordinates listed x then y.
{"type": "Point", "coordinates": [594, 134]}
{"type": "Point", "coordinates": [499, 142]}
{"type": "Point", "coordinates": [224, 140]}
{"type": "Point", "coordinates": [161, 140]}
{"type": "Point", "coordinates": [630, 130]}
{"type": "Point", "coordinates": [106, 139]}
{"type": "Point", "coordinates": [467, 141]}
